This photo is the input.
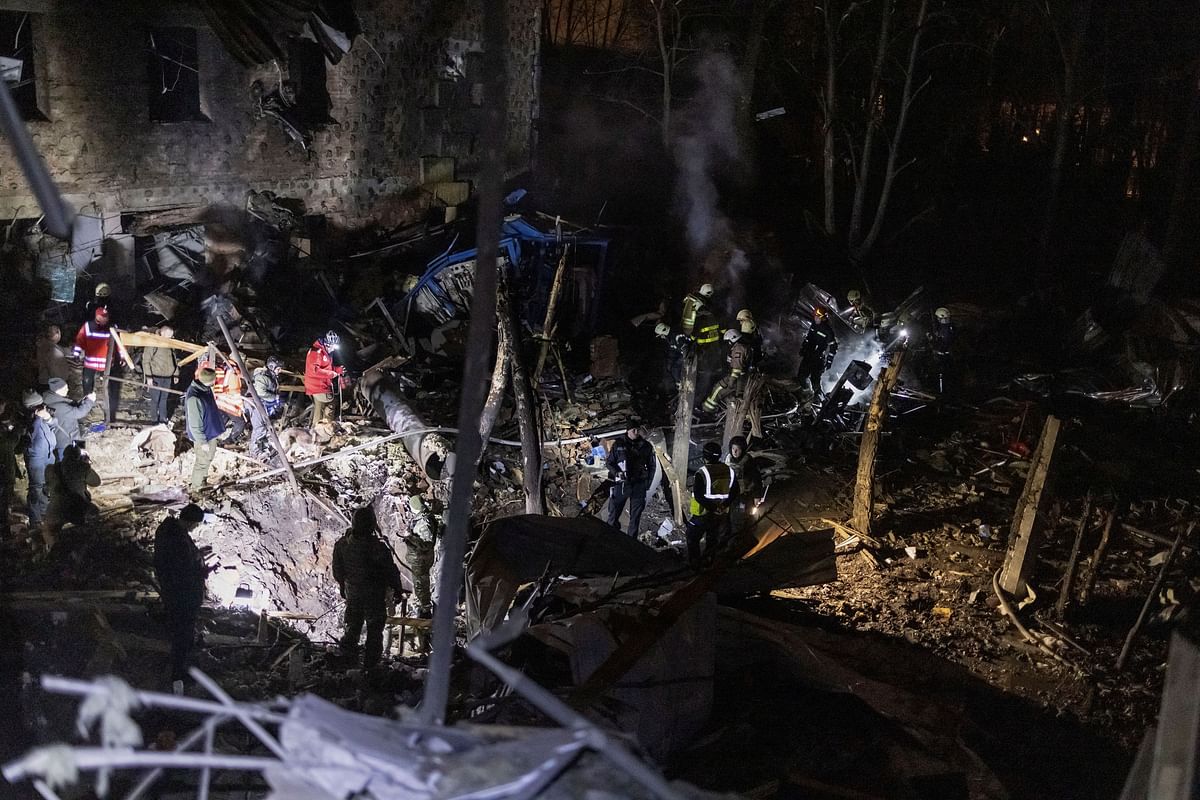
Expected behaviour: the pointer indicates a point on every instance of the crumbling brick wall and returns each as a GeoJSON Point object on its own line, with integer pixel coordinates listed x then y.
{"type": "Point", "coordinates": [391, 97]}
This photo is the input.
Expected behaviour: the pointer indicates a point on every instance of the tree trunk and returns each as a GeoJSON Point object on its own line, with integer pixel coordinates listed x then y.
{"type": "Point", "coordinates": [531, 445]}
{"type": "Point", "coordinates": [829, 154]}
{"type": "Point", "coordinates": [749, 68]}
{"type": "Point", "coordinates": [892, 170]}
{"type": "Point", "coordinates": [873, 120]}
{"type": "Point", "coordinates": [665, 54]}
{"type": "Point", "coordinates": [1081, 13]}
{"type": "Point", "coordinates": [864, 484]}
{"type": "Point", "coordinates": [681, 447]}
{"type": "Point", "coordinates": [1178, 222]}
{"type": "Point", "coordinates": [495, 397]}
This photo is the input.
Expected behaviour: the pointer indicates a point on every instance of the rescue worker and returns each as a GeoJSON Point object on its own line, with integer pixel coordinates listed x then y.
{"type": "Point", "coordinates": [68, 414]}
{"type": "Point", "coordinates": [748, 327]}
{"type": "Point", "coordinates": [266, 384]}
{"type": "Point", "coordinates": [679, 347]}
{"type": "Point", "coordinates": [421, 544]}
{"type": "Point", "coordinates": [205, 424]}
{"type": "Point", "coordinates": [749, 477]}
{"type": "Point", "coordinates": [51, 358]}
{"type": "Point", "coordinates": [941, 342]}
{"type": "Point", "coordinates": [860, 313]}
{"type": "Point", "coordinates": [101, 298]}
{"type": "Point", "coordinates": [160, 369]}
{"type": "Point", "coordinates": [181, 573]}
{"type": "Point", "coordinates": [91, 345]}
{"type": "Point", "coordinates": [630, 468]}
{"type": "Point", "coordinates": [39, 454]}
{"type": "Point", "coordinates": [817, 350]}
{"type": "Point", "coordinates": [227, 391]}
{"type": "Point", "coordinates": [320, 373]}
{"type": "Point", "coordinates": [699, 321]}
{"type": "Point", "coordinates": [364, 571]}
{"type": "Point", "coordinates": [739, 365]}
{"type": "Point", "coordinates": [67, 485]}
{"type": "Point", "coordinates": [714, 489]}
{"type": "Point", "coordinates": [10, 436]}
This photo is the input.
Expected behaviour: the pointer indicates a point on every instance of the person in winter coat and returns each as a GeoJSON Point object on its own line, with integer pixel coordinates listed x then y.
{"type": "Point", "coordinates": [422, 543]}
{"type": "Point", "coordinates": [714, 491]}
{"type": "Point", "coordinates": [67, 485]}
{"type": "Point", "coordinates": [321, 377]}
{"type": "Point", "coordinates": [205, 424]}
{"type": "Point", "coordinates": [160, 368]}
{"type": "Point", "coordinates": [631, 468]}
{"type": "Point", "coordinates": [817, 351]}
{"type": "Point", "coordinates": [68, 414]}
{"type": "Point", "coordinates": [39, 454]}
{"type": "Point", "coordinates": [51, 358]}
{"type": "Point", "coordinates": [181, 573]}
{"type": "Point", "coordinates": [266, 383]}
{"type": "Point", "coordinates": [364, 571]}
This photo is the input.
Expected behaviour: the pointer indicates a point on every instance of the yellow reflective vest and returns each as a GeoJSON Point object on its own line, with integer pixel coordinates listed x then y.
{"type": "Point", "coordinates": [698, 322]}
{"type": "Point", "coordinates": [712, 489]}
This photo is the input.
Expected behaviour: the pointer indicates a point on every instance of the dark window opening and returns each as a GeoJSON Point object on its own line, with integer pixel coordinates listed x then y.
{"type": "Point", "coordinates": [306, 74]}
{"type": "Point", "coordinates": [17, 61]}
{"type": "Point", "coordinates": [173, 75]}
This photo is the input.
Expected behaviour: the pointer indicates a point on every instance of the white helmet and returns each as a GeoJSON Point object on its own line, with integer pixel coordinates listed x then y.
{"type": "Point", "coordinates": [662, 329]}
{"type": "Point", "coordinates": [853, 296]}
{"type": "Point", "coordinates": [745, 315]}
{"type": "Point", "coordinates": [732, 336]}
{"type": "Point", "coordinates": [748, 326]}
{"type": "Point", "coordinates": [706, 290]}
{"type": "Point", "coordinates": [942, 314]}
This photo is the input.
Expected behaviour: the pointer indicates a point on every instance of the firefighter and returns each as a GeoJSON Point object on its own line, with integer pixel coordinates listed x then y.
{"type": "Point", "coordinates": [630, 468]}
{"type": "Point", "coordinates": [266, 383]}
{"type": "Point", "coordinates": [181, 573]}
{"type": "Point", "coordinates": [68, 414]}
{"type": "Point", "coordinates": [739, 365]}
{"type": "Point", "coordinates": [714, 490]}
{"type": "Point", "coordinates": [421, 544]}
{"type": "Point", "coordinates": [39, 454]}
{"type": "Point", "coordinates": [699, 321]}
{"type": "Point", "coordinates": [320, 375]}
{"type": "Point", "coordinates": [748, 327]}
{"type": "Point", "coordinates": [364, 570]}
{"type": "Point", "coordinates": [101, 298]}
{"type": "Point", "coordinates": [679, 347]}
{"type": "Point", "coordinates": [91, 345]}
{"type": "Point", "coordinates": [941, 342]}
{"type": "Point", "coordinates": [205, 424]}
{"type": "Point", "coordinates": [860, 313]}
{"type": "Point", "coordinates": [817, 350]}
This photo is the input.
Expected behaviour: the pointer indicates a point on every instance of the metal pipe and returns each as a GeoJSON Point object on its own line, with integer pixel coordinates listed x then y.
{"type": "Point", "coordinates": [59, 216]}
{"type": "Point", "coordinates": [432, 452]}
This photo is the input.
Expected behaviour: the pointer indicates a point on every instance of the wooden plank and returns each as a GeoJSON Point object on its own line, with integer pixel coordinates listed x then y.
{"type": "Point", "coordinates": [147, 339]}
{"type": "Point", "coordinates": [1024, 538]}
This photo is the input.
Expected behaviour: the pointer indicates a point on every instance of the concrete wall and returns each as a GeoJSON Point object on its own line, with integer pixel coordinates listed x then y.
{"type": "Point", "coordinates": [390, 97]}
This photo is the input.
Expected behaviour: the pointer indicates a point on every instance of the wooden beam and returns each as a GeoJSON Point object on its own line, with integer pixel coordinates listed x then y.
{"type": "Point", "coordinates": [868, 447]}
{"type": "Point", "coordinates": [681, 447]}
{"type": "Point", "coordinates": [1024, 537]}
{"type": "Point", "coordinates": [147, 339]}
{"type": "Point", "coordinates": [551, 308]}
{"type": "Point", "coordinates": [1062, 607]}
{"type": "Point", "coordinates": [262, 409]}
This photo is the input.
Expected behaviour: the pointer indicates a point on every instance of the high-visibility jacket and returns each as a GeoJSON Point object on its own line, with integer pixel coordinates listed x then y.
{"type": "Point", "coordinates": [91, 344]}
{"type": "Point", "coordinates": [713, 489]}
{"type": "Point", "coordinates": [227, 390]}
{"type": "Point", "coordinates": [698, 321]}
{"type": "Point", "coordinates": [738, 358]}
{"type": "Point", "coordinates": [319, 371]}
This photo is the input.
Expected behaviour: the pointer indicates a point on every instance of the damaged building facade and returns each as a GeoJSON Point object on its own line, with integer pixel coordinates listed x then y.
{"type": "Point", "coordinates": [139, 106]}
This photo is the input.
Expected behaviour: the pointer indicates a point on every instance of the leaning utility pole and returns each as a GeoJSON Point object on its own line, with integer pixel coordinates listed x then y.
{"type": "Point", "coordinates": [262, 409]}
{"type": "Point", "coordinates": [681, 449]}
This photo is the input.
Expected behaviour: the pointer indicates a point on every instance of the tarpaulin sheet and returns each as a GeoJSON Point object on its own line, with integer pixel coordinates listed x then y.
{"type": "Point", "coordinates": [516, 550]}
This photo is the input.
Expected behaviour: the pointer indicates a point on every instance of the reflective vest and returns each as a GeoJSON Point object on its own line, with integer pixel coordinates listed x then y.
{"type": "Point", "coordinates": [698, 322]}
{"type": "Point", "coordinates": [91, 344]}
{"type": "Point", "coordinates": [711, 489]}
{"type": "Point", "coordinates": [228, 390]}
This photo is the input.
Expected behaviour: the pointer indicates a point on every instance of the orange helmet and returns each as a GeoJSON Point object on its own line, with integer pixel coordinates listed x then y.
{"type": "Point", "coordinates": [819, 313]}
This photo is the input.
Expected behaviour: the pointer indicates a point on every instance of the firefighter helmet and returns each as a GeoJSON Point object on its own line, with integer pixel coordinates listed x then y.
{"type": "Point", "coordinates": [706, 290]}
{"type": "Point", "coordinates": [854, 297]}
{"type": "Point", "coordinates": [712, 452]}
{"type": "Point", "coordinates": [942, 314]}
{"type": "Point", "coordinates": [662, 330]}
{"type": "Point", "coordinates": [819, 313]}
{"type": "Point", "coordinates": [745, 315]}
{"type": "Point", "coordinates": [103, 290]}
{"type": "Point", "coordinates": [732, 336]}
{"type": "Point", "coordinates": [331, 340]}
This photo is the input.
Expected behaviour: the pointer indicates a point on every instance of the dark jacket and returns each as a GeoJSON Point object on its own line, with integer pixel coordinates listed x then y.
{"type": "Point", "coordinates": [68, 417]}
{"type": "Point", "coordinates": [637, 457]}
{"type": "Point", "coordinates": [159, 362]}
{"type": "Point", "coordinates": [363, 568]}
{"type": "Point", "coordinates": [820, 341]}
{"type": "Point", "coordinates": [177, 566]}
{"type": "Point", "coordinates": [204, 419]}
{"type": "Point", "coordinates": [67, 484]}
{"type": "Point", "coordinates": [40, 450]}
{"type": "Point", "coordinates": [749, 477]}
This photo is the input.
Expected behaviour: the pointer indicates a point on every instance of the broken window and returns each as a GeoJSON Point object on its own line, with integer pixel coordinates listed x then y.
{"type": "Point", "coordinates": [173, 75]}
{"type": "Point", "coordinates": [17, 61]}
{"type": "Point", "coordinates": [306, 72]}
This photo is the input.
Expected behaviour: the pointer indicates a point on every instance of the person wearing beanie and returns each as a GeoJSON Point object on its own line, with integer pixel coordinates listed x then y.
{"type": "Point", "coordinates": [180, 571]}
{"type": "Point", "coordinates": [39, 454]}
{"type": "Point", "coordinates": [364, 570]}
{"type": "Point", "coordinates": [205, 424]}
{"type": "Point", "coordinates": [68, 414]}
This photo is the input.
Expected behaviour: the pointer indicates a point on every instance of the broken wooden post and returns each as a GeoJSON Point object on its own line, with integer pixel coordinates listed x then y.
{"type": "Point", "coordinates": [551, 308]}
{"type": "Point", "coordinates": [682, 447]}
{"type": "Point", "coordinates": [864, 481]}
{"type": "Point", "coordinates": [1064, 596]}
{"type": "Point", "coordinates": [495, 396]}
{"type": "Point", "coordinates": [262, 409]}
{"type": "Point", "coordinates": [1089, 582]}
{"type": "Point", "coordinates": [1154, 590]}
{"type": "Point", "coordinates": [738, 409]}
{"type": "Point", "coordinates": [531, 444]}
{"type": "Point", "coordinates": [1024, 536]}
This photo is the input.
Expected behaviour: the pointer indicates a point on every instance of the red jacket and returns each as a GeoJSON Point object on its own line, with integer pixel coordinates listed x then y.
{"type": "Point", "coordinates": [91, 343]}
{"type": "Point", "coordinates": [319, 371]}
